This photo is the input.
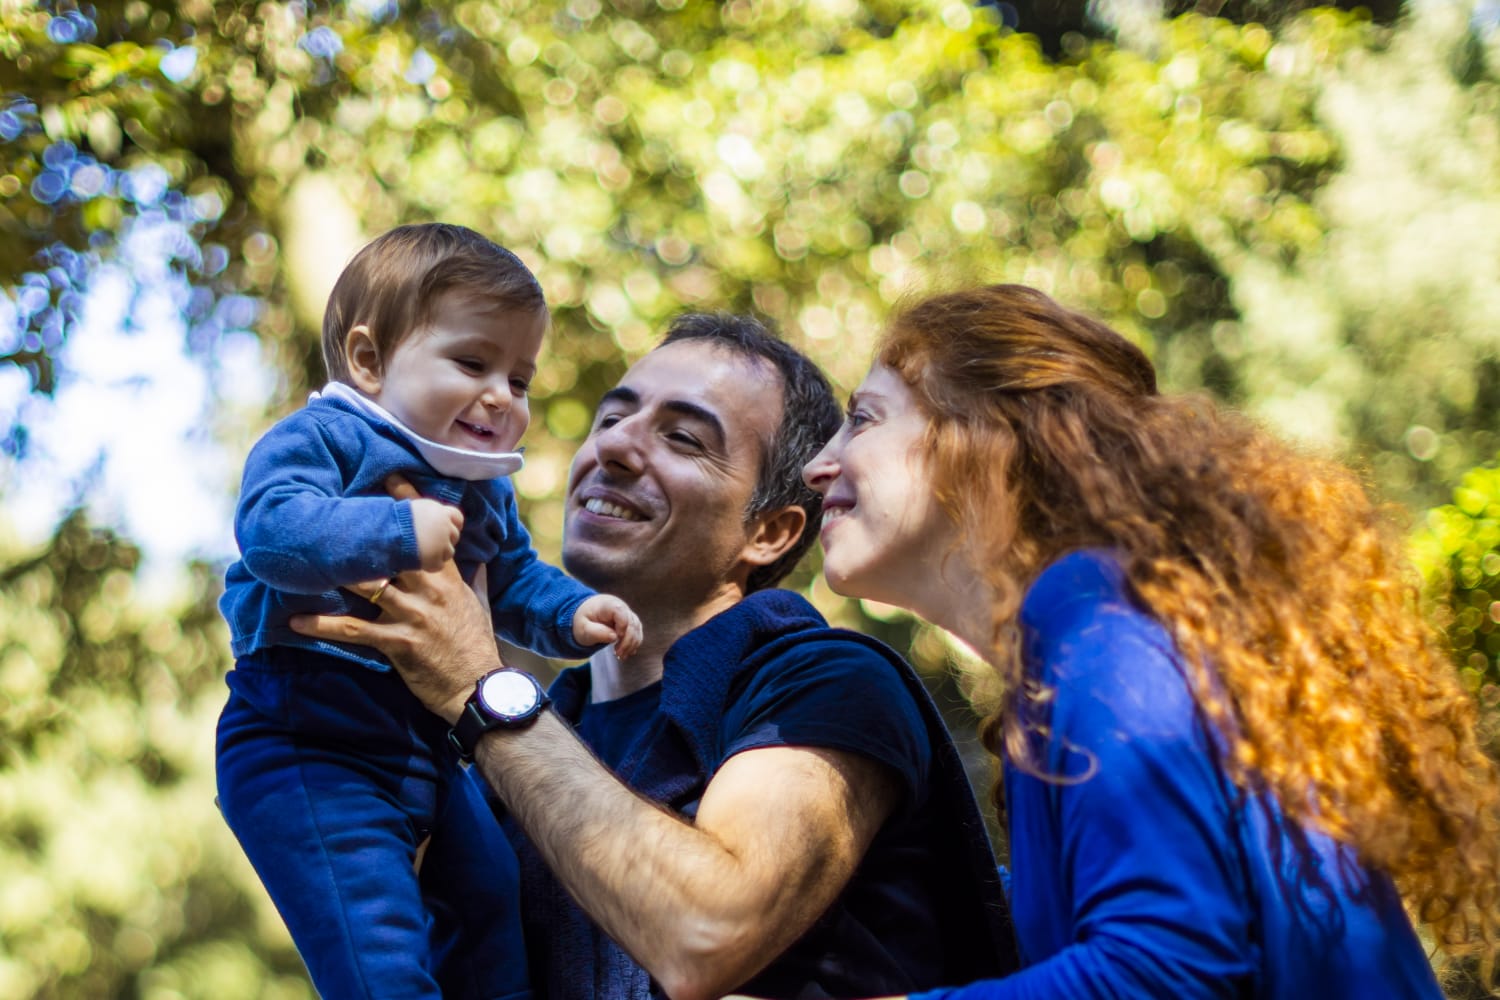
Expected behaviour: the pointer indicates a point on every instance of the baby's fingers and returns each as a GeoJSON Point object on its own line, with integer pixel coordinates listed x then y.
{"type": "Point", "coordinates": [400, 488]}
{"type": "Point", "coordinates": [593, 632]}
{"type": "Point", "coordinates": [630, 634]}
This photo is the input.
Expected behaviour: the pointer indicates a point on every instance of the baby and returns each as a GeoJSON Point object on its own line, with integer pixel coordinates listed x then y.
{"type": "Point", "coordinates": [330, 773]}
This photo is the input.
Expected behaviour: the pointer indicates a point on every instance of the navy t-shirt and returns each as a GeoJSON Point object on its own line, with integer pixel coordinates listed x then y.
{"type": "Point", "coordinates": [611, 727]}
{"type": "Point", "coordinates": [833, 695]}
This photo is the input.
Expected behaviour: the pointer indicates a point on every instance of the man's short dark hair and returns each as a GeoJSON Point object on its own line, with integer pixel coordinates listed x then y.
{"type": "Point", "coordinates": [810, 415]}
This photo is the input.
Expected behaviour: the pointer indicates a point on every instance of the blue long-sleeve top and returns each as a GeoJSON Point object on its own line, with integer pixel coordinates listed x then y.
{"type": "Point", "coordinates": [1144, 871]}
{"type": "Point", "coordinates": [314, 515]}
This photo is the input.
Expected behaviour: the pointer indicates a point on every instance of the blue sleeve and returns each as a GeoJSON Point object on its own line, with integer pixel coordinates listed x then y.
{"type": "Point", "coordinates": [834, 694]}
{"type": "Point", "coordinates": [532, 603]}
{"type": "Point", "coordinates": [296, 530]}
{"type": "Point", "coordinates": [1127, 876]}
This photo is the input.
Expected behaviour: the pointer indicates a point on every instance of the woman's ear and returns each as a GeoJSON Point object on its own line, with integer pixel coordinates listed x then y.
{"type": "Point", "coordinates": [363, 359]}
{"type": "Point", "coordinates": [774, 532]}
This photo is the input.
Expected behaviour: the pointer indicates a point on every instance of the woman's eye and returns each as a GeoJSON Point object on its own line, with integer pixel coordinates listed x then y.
{"type": "Point", "coordinates": [857, 418]}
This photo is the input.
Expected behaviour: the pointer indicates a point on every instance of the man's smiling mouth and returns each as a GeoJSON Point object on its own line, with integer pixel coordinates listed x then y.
{"type": "Point", "coordinates": [603, 507]}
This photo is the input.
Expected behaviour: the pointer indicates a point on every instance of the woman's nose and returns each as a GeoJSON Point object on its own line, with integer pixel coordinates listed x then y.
{"type": "Point", "coordinates": [820, 472]}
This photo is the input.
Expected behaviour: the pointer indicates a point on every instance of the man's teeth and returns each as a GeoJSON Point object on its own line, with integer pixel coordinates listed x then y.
{"type": "Point", "coordinates": [597, 506]}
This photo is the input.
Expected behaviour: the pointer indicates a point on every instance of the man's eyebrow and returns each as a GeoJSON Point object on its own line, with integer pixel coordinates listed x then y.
{"type": "Point", "coordinates": [702, 414]}
{"type": "Point", "coordinates": [626, 396]}
{"type": "Point", "coordinates": [620, 394]}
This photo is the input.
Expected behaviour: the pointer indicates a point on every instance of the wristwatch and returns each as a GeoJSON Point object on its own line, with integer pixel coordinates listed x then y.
{"type": "Point", "coordinates": [503, 699]}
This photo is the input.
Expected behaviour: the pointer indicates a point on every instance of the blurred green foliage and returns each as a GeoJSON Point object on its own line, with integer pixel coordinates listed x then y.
{"type": "Point", "coordinates": [1302, 219]}
{"type": "Point", "coordinates": [116, 877]}
{"type": "Point", "coordinates": [1457, 549]}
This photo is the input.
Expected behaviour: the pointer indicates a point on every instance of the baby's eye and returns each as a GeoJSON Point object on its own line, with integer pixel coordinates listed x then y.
{"type": "Point", "coordinates": [520, 386]}
{"type": "Point", "coordinates": [469, 364]}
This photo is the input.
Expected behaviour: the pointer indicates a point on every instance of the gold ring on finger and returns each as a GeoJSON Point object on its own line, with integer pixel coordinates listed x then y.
{"type": "Point", "coordinates": [375, 597]}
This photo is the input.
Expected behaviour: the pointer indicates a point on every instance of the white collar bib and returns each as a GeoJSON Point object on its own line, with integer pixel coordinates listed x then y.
{"type": "Point", "coordinates": [456, 463]}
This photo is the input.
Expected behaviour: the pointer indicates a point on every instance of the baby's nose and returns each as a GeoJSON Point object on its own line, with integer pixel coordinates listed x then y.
{"type": "Point", "coordinates": [497, 397]}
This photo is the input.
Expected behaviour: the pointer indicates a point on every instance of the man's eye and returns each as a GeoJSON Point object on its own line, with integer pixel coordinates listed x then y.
{"type": "Point", "coordinates": [684, 438]}
{"type": "Point", "coordinates": [608, 420]}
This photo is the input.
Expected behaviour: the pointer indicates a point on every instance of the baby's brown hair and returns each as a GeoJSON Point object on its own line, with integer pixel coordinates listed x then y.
{"type": "Point", "coordinates": [393, 283]}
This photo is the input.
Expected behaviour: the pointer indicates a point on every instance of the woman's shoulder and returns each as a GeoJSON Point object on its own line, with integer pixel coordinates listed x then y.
{"type": "Point", "coordinates": [1109, 660]}
{"type": "Point", "coordinates": [1074, 590]}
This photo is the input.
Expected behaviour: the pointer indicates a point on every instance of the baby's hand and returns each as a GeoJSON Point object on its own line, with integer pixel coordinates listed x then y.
{"type": "Point", "coordinates": [605, 618]}
{"type": "Point", "coordinates": [437, 526]}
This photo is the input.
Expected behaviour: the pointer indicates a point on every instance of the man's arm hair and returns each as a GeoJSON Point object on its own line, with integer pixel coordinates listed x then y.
{"type": "Point", "coordinates": [702, 905]}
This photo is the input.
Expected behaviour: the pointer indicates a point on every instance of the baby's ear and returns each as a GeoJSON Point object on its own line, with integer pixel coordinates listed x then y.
{"type": "Point", "coordinates": [363, 358]}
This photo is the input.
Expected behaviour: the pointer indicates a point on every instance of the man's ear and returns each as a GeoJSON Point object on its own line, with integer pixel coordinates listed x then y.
{"type": "Point", "coordinates": [774, 532]}
{"type": "Point", "coordinates": [363, 359]}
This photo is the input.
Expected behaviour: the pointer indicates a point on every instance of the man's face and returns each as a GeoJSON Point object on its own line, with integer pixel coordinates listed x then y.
{"type": "Point", "coordinates": [658, 491]}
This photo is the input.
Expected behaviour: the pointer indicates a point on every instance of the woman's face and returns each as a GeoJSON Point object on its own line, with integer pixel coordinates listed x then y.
{"type": "Point", "coordinates": [884, 536]}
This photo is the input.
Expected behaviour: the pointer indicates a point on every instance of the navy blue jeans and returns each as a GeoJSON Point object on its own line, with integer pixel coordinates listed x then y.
{"type": "Point", "coordinates": [331, 775]}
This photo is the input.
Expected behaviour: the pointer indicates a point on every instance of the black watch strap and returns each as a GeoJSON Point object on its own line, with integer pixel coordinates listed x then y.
{"type": "Point", "coordinates": [479, 717]}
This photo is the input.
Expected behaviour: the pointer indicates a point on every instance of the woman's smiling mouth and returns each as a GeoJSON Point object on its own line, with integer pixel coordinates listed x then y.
{"type": "Point", "coordinates": [835, 510]}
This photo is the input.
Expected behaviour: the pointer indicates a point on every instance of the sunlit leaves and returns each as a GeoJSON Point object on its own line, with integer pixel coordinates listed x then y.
{"type": "Point", "coordinates": [1458, 550]}
{"type": "Point", "coordinates": [1300, 219]}
{"type": "Point", "coordinates": [106, 716]}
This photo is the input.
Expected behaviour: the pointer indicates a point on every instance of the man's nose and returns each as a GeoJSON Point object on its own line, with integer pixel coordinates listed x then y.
{"type": "Point", "coordinates": [620, 445]}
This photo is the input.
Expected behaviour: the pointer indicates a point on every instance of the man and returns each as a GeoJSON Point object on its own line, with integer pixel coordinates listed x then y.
{"type": "Point", "coordinates": [789, 817]}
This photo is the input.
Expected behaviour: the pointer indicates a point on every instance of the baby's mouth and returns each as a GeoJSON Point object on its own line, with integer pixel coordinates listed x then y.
{"type": "Point", "coordinates": [477, 430]}
{"type": "Point", "coordinates": [482, 437]}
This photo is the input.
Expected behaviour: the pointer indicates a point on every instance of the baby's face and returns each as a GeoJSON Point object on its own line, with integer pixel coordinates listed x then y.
{"type": "Point", "coordinates": [462, 379]}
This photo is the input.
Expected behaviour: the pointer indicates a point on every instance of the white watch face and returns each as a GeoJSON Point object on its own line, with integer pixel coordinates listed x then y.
{"type": "Point", "coordinates": [508, 694]}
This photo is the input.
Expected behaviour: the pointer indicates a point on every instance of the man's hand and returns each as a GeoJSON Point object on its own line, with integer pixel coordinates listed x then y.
{"type": "Point", "coordinates": [432, 626]}
{"type": "Point", "coordinates": [605, 618]}
{"type": "Point", "coordinates": [437, 526]}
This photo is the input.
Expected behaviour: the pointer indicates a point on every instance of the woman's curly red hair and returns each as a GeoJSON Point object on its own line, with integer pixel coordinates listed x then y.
{"type": "Point", "coordinates": [1283, 585]}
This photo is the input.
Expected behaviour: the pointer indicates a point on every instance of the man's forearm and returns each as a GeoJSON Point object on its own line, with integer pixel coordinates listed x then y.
{"type": "Point", "coordinates": [703, 906]}
{"type": "Point", "coordinates": [700, 914]}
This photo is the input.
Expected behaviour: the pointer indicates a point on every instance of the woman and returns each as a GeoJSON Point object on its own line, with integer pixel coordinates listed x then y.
{"type": "Point", "coordinates": [1227, 738]}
